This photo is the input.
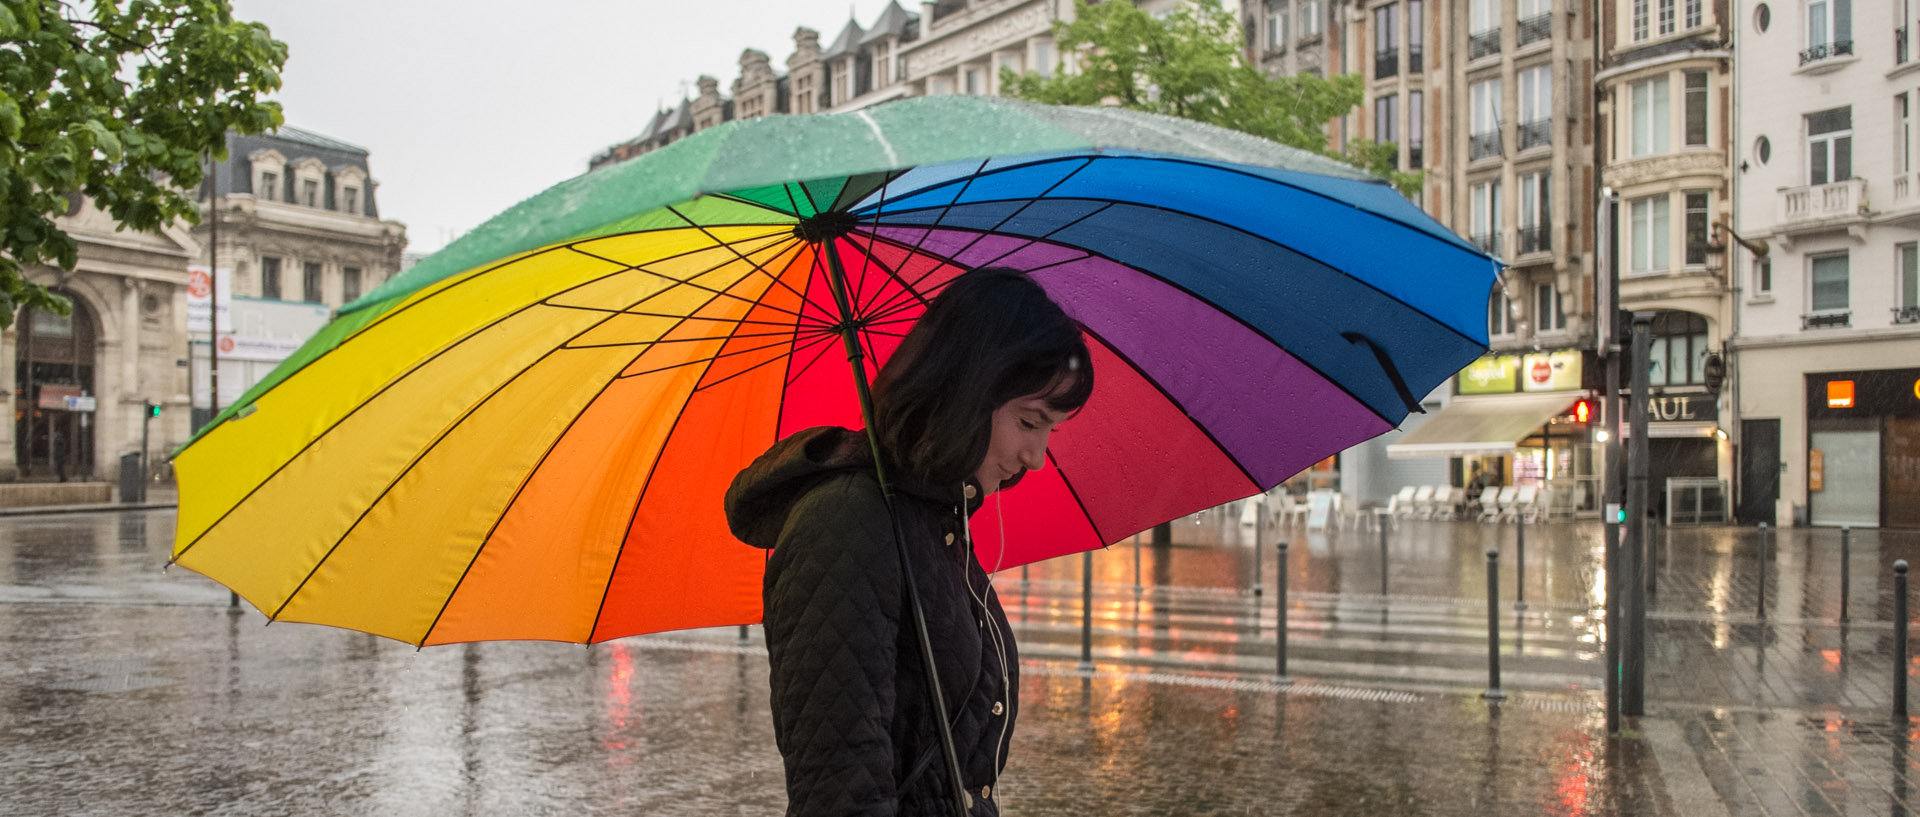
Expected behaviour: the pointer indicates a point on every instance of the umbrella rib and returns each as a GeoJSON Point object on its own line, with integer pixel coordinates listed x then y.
{"type": "Point", "coordinates": [1172, 401]}
{"type": "Point", "coordinates": [891, 272]}
{"type": "Point", "coordinates": [825, 342]}
{"type": "Point", "coordinates": [664, 340]}
{"type": "Point", "coordinates": [775, 359]}
{"type": "Point", "coordinates": [606, 587]}
{"type": "Point", "coordinates": [867, 259]}
{"type": "Point", "coordinates": [408, 373]}
{"type": "Point", "coordinates": [894, 310]}
{"type": "Point", "coordinates": [734, 321]}
{"type": "Point", "coordinates": [528, 479]}
{"type": "Point", "coordinates": [756, 267]}
{"type": "Point", "coordinates": [1077, 501]}
{"type": "Point", "coordinates": [1024, 204]}
{"type": "Point", "coordinates": [689, 281]}
{"type": "Point", "coordinates": [733, 353]}
{"type": "Point", "coordinates": [1030, 242]}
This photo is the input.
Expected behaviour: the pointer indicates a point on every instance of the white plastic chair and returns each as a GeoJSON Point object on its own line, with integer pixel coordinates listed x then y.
{"type": "Point", "coordinates": [1423, 502]}
{"type": "Point", "coordinates": [1402, 503]}
{"type": "Point", "coordinates": [1523, 500]}
{"type": "Point", "coordinates": [1444, 498]}
{"type": "Point", "coordinates": [1489, 499]}
{"type": "Point", "coordinates": [1534, 508]}
{"type": "Point", "coordinates": [1501, 505]}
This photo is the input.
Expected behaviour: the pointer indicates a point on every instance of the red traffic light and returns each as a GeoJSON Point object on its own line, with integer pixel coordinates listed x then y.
{"type": "Point", "coordinates": [1583, 411]}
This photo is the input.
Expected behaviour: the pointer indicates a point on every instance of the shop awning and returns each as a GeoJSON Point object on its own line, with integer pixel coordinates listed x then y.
{"type": "Point", "coordinates": [1481, 426]}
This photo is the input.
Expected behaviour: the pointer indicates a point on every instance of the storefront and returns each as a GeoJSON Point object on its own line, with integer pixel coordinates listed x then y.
{"type": "Point", "coordinates": [1863, 448]}
{"type": "Point", "coordinates": [1517, 420]}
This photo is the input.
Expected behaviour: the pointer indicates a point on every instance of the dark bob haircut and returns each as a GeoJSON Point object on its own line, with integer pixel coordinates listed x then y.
{"type": "Point", "coordinates": [991, 336]}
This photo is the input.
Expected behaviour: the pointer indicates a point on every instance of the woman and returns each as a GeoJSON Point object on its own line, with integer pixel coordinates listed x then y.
{"type": "Point", "coordinates": [963, 409]}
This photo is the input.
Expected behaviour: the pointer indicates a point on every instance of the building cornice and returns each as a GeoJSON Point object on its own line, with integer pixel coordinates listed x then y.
{"type": "Point", "coordinates": [1657, 62]}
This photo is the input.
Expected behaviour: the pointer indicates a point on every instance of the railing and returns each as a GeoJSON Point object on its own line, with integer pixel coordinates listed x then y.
{"type": "Point", "coordinates": [1906, 314]}
{"type": "Point", "coordinates": [1826, 51]}
{"type": "Point", "coordinates": [1386, 63]}
{"type": "Point", "coordinates": [1826, 320]}
{"type": "Point", "coordinates": [1535, 239]}
{"type": "Point", "coordinates": [1817, 202]}
{"type": "Point", "coordinates": [1488, 243]}
{"type": "Point", "coordinates": [1414, 57]}
{"type": "Point", "coordinates": [1537, 27]}
{"type": "Point", "coordinates": [1483, 43]}
{"type": "Point", "coordinates": [1536, 133]}
{"type": "Point", "coordinates": [1696, 501]}
{"type": "Point", "coordinates": [1482, 145]}
{"type": "Point", "coordinates": [1905, 191]}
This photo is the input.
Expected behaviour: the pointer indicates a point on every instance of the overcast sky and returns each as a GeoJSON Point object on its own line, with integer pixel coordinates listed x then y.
{"type": "Point", "coordinates": [469, 107]}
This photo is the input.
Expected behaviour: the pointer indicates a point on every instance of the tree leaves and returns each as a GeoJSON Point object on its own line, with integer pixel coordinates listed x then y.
{"type": "Point", "coordinates": [72, 121]}
{"type": "Point", "coordinates": [1189, 64]}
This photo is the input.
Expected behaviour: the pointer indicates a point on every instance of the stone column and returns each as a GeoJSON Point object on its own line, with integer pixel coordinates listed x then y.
{"type": "Point", "coordinates": [10, 381]}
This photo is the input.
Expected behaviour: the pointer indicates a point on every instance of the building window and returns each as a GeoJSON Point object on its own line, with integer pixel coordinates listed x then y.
{"type": "Point", "coordinates": [1679, 350]}
{"type": "Point", "coordinates": [970, 80]}
{"type": "Point", "coordinates": [1695, 91]}
{"type": "Point", "coordinates": [1043, 58]}
{"type": "Point", "coordinates": [1386, 42]}
{"type": "Point", "coordinates": [1907, 300]}
{"type": "Point", "coordinates": [270, 278]}
{"type": "Point", "coordinates": [1548, 312]}
{"type": "Point", "coordinates": [1696, 227]}
{"type": "Point", "coordinates": [1386, 113]}
{"type": "Point", "coordinates": [269, 187]}
{"type": "Point", "coordinates": [1485, 218]}
{"type": "Point", "coordinates": [349, 285]}
{"type": "Point", "coordinates": [1536, 107]}
{"type": "Point", "coordinates": [1829, 29]}
{"type": "Point", "coordinates": [1484, 138]}
{"type": "Point", "coordinates": [1827, 283]}
{"type": "Point", "coordinates": [1650, 228]}
{"type": "Point", "coordinates": [1695, 13]}
{"type": "Point", "coordinates": [310, 193]}
{"type": "Point", "coordinates": [1664, 23]}
{"type": "Point", "coordinates": [1416, 36]}
{"type": "Point", "coordinates": [1416, 129]}
{"type": "Point", "coordinates": [1650, 116]}
{"type": "Point", "coordinates": [351, 195]}
{"type": "Point", "coordinates": [1830, 146]}
{"type": "Point", "coordinates": [1536, 212]}
{"type": "Point", "coordinates": [1483, 28]}
{"type": "Point", "coordinates": [1500, 320]}
{"type": "Point", "coordinates": [1640, 19]}
{"type": "Point", "coordinates": [1902, 134]}
{"type": "Point", "coordinates": [310, 282]}
{"type": "Point", "coordinates": [1535, 23]}
{"type": "Point", "coordinates": [1902, 30]}
{"type": "Point", "coordinates": [1309, 19]}
{"type": "Point", "coordinates": [1277, 14]}
{"type": "Point", "coordinates": [882, 65]}
{"type": "Point", "coordinates": [1762, 277]}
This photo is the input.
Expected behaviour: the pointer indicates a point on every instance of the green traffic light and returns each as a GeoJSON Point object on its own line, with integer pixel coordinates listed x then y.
{"type": "Point", "coordinates": [153, 409]}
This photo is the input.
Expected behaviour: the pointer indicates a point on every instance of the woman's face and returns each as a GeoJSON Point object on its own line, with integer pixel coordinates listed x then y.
{"type": "Point", "coordinates": [1021, 427]}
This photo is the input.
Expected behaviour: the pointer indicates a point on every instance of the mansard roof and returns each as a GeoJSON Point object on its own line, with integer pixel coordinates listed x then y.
{"type": "Point", "coordinates": [846, 43]}
{"type": "Point", "coordinates": [894, 22]}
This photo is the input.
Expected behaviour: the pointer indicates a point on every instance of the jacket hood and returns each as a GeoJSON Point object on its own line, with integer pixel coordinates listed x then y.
{"type": "Point", "coordinates": [763, 493]}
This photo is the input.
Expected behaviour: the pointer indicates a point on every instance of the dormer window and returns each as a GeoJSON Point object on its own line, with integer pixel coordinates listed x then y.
{"type": "Point", "coordinates": [269, 187]}
{"type": "Point", "coordinates": [350, 200]}
{"type": "Point", "coordinates": [310, 193]}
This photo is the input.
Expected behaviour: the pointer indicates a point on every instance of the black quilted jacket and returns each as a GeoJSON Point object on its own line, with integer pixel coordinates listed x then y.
{"type": "Point", "coordinates": [850, 708]}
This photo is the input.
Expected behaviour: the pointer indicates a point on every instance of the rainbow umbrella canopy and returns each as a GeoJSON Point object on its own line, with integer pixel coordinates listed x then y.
{"type": "Point", "coordinates": [528, 435]}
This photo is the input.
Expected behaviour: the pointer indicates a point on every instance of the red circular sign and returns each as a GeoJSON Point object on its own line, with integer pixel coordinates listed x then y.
{"type": "Point", "coordinates": [226, 344]}
{"type": "Point", "coordinates": [199, 283]}
{"type": "Point", "coordinates": [1541, 372]}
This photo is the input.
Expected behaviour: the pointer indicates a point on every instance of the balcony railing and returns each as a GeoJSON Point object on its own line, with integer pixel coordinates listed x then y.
{"type": "Point", "coordinates": [1536, 133]}
{"type": "Point", "coordinates": [1821, 202]}
{"type": "Point", "coordinates": [1535, 239]}
{"type": "Point", "coordinates": [1482, 145]}
{"type": "Point", "coordinates": [1535, 28]}
{"type": "Point", "coordinates": [1415, 64]}
{"type": "Point", "coordinates": [1386, 63]}
{"type": "Point", "coordinates": [1826, 320]}
{"type": "Point", "coordinates": [1826, 51]}
{"type": "Point", "coordinates": [1488, 243]}
{"type": "Point", "coordinates": [1483, 43]}
{"type": "Point", "coordinates": [1906, 314]}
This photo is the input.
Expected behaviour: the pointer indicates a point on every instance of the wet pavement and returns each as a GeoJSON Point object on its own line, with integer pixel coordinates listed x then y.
{"type": "Point", "coordinates": [127, 690]}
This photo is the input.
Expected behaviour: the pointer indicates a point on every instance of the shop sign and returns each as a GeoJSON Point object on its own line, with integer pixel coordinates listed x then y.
{"type": "Point", "coordinates": [55, 396]}
{"type": "Point", "coordinates": [1550, 371]}
{"type": "Point", "coordinates": [1493, 374]}
{"type": "Point", "coordinates": [1683, 408]}
{"type": "Point", "coordinates": [1839, 394]}
{"type": "Point", "coordinates": [1816, 470]}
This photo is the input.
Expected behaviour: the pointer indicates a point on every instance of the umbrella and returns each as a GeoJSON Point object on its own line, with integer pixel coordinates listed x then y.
{"type": "Point", "coordinates": [527, 435]}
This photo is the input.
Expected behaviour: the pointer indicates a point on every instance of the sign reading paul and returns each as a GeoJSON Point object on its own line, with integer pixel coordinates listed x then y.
{"type": "Point", "coordinates": [1536, 372]}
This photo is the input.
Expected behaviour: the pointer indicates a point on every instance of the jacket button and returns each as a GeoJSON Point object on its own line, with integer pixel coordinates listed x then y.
{"type": "Point", "coordinates": [997, 708]}
{"type": "Point", "coordinates": [949, 539]}
{"type": "Point", "coordinates": [986, 792]}
{"type": "Point", "coordinates": [971, 491]}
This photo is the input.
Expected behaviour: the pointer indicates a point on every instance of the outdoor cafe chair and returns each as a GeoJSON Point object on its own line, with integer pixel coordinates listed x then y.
{"type": "Point", "coordinates": [1500, 505]}
{"type": "Point", "coordinates": [1423, 502]}
{"type": "Point", "coordinates": [1488, 502]}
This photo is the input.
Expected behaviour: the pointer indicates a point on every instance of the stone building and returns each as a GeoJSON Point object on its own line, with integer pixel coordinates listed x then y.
{"type": "Point", "coordinates": [80, 384]}
{"type": "Point", "coordinates": [1827, 348]}
{"type": "Point", "coordinates": [300, 235]}
{"type": "Point", "coordinates": [1664, 76]}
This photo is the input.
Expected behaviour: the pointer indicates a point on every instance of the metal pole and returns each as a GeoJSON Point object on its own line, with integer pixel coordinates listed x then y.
{"type": "Point", "coordinates": [1760, 555]}
{"type": "Point", "coordinates": [1633, 555]}
{"type": "Point", "coordinates": [1900, 641]}
{"type": "Point", "coordinates": [1136, 566]}
{"type": "Point", "coordinates": [1280, 617]}
{"type": "Point", "coordinates": [1259, 544]}
{"type": "Point", "coordinates": [743, 635]}
{"type": "Point", "coordinates": [146, 423]}
{"type": "Point", "coordinates": [1494, 692]}
{"type": "Point", "coordinates": [1607, 343]}
{"type": "Point", "coordinates": [1086, 610]}
{"type": "Point", "coordinates": [1520, 562]}
{"type": "Point", "coordinates": [1383, 565]}
{"type": "Point", "coordinates": [1846, 570]}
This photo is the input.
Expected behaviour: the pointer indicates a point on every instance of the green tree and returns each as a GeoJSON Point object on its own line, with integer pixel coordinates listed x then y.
{"type": "Point", "coordinates": [1189, 64]}
{"type": "Point", "coordinates": [118, 102]}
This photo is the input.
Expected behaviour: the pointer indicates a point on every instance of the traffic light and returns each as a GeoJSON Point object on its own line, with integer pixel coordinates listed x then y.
{"type": "Point", "coordinates": [153, 409]}
{"type": "Point", "coordinates": [1583, 410]}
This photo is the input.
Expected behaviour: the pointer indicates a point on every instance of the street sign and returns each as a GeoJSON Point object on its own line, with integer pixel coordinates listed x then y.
{"type": "Point", "coordinates": [84, 402]}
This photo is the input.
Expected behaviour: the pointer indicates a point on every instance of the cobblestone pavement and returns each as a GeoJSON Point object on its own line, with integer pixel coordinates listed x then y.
{"type": "Point", "coordinates": [132, 691]}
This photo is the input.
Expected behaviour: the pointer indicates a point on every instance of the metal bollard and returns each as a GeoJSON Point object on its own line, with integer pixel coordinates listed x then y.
{"type": "Point", "coordinates": [1900, 640]}
{"type": "Point", "coordinates": [1259, 539]}
{"type": "Point", "coordinates": [1280, 617]}
{"type": "Point", "coordinates": [1136, 566]}
{"type": "Point", "coordinates": [743, 635]}
{"type": "Point", "coordinates": [1762, 556]}
{"type": "Point", "coordinates": [1494, 692]}
{"type": "Point", "coordinates": [1846, 570]}
{"type": "Point", "coordinates": [1086, 610]}
{"type": "Point", "coordinates": [1520, 562]}
{"type": "Point", "coordinates": [1383, 565]}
